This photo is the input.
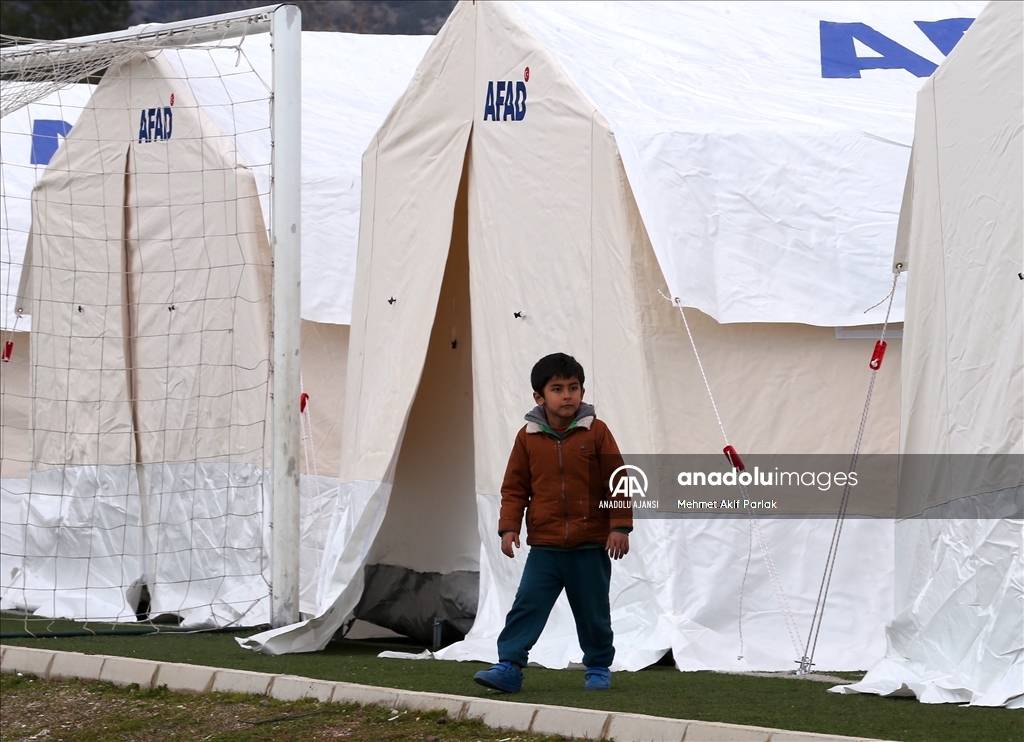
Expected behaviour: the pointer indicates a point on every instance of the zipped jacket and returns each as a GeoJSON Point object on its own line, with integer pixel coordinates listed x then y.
{"type": "Point", "coordinates": [560, 480]}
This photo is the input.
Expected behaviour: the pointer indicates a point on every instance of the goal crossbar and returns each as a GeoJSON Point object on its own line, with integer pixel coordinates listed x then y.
{"type": "Point", "coordinates": [46, 65]}
{"type": "Point", "coordinates": [20, 54]}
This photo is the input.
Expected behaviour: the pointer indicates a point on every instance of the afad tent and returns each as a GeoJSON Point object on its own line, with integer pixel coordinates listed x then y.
{"type": "Point", "coordinates": [44, 519]}
{"type": "Point", "coordinates": [552, 170]}
{"type": "Point", "coordinates": [958, 631]}
{"type": "Point", "coordinates": [135, 303]}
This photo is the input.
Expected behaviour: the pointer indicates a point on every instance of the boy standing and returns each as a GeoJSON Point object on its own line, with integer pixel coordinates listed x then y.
{"type": "Point", "coordinates": [557, 473]}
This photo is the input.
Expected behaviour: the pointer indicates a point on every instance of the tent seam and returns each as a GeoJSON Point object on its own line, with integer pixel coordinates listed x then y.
{"type": "Point", "coordinates": [942, 255]}
{"type": "Point", "coordinates": [369, 281]}
{"type": "Point", "coordinates": [593, 333]}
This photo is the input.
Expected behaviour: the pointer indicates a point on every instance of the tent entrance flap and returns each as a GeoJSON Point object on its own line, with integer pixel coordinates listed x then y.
{"type": "Point", "coordinates": [424, 563]}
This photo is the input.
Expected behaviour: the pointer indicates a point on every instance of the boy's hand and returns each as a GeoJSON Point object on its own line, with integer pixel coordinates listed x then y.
{"type": "Point", "coordinates": [618, 544]}
{"type": "Point", "coordinates": [510, 537]}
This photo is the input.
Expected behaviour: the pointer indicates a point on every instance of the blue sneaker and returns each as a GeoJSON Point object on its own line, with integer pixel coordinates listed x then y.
{"type": "Point", "coordinates": [503, 676]}
{"type": "Point", "coordinates": [598, 678]}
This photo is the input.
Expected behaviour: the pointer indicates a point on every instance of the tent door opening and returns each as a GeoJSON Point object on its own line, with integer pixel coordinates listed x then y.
{"type": "Point", "coordinates": [422, 574]}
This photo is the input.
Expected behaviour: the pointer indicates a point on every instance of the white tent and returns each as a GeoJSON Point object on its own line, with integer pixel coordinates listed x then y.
{"type": "Point", "coordinates": [349, 83]}
{"type": "Point", "coordinates": [551, 168]}
{"type": "Point", "coordinates": [150, 364]}
{"type": "Point", "coordinates": [958, 631]}
{"type": "Point", "coordinates": [341, 111]}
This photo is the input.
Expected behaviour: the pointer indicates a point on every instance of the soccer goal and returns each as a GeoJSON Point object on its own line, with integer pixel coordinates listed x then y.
{"type": "Point", "coordinates": [150, 305]}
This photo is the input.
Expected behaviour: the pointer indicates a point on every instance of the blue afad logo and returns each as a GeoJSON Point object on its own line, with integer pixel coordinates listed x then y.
{"type": "Point", "coordinates": [45, 139]}
{"type": "Point", "coordinates": [839, 56]}
{"type": "Point", "coordinates": [155, 124]}
{"type": "Point", "coordinates": [505, 102]}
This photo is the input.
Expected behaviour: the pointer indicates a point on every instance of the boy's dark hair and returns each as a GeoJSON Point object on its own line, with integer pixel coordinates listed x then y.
{"type": "Point", "coordinates": [557, 364]}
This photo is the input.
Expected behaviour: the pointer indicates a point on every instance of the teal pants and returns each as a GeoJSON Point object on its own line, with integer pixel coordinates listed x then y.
{"type": "Point", "coordinates": [585, 574]}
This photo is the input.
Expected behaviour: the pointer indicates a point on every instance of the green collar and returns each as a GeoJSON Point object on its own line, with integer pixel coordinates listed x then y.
{"type": "Point", "coordinates": [550, 431]}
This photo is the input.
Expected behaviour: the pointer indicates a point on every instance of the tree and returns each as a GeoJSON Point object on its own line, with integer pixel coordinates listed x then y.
{"type": "Point", "coordinates": [62, 19]}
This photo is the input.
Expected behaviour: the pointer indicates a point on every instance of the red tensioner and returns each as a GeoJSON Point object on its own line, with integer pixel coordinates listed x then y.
{"type": "Point", "coordinates": [303, 399]}
{"type": "Point", "coordinates": [878, 355]}
{"type": "Point", "coordinates": [734, 458]}
{"type": "Point", "coordinates": [8, 349]}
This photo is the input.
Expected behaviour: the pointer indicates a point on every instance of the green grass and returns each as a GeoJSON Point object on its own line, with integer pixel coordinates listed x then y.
{"type": "Point", "coordinates": [662, 691]}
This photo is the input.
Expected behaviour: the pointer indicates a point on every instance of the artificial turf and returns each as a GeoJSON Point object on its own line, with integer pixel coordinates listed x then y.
{"type": "Point", "coordinates": [660, 690]}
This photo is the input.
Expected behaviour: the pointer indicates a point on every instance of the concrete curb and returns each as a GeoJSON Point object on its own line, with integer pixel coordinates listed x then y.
{"type": "Point", "coordinates": [522, 717]}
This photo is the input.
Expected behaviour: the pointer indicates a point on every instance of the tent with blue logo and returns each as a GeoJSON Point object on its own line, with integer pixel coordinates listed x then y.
{"type": "Point", "coordinates": [957, 635]}
{"type": "Point", "coordinates": [338, 121]}
{"type": "Point", "coordinates": [565, 177]}
{"type": "Point", "coordinates": [120, 326]}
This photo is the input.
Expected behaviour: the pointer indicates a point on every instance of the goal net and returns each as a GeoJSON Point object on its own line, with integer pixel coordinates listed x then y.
{"type": "Point", "coordinates": [141, 322]}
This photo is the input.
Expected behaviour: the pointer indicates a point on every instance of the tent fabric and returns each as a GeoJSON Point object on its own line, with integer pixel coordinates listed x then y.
{"type": "Point", "coordinates": [427, 125]}
{"type": "Point", "coordinates": [741, 232]}
{"type": "Point", "coordinates": [349, 83]}
{"type": "Point", "coordinates": [769, 190]}
{"type": "Point", "coordinates": [958, 627]}
{"type": "Point", "coordinates": [324, 355]}
{"type": "Point", "coordinates": [553, 245]}
{"type": "Point", "coordinates": [18, 173]}
{"type": "Point", "coordinates": [558, 257]}
{"type": "Point", "coordinates": [16, 390]}
{"type": "Point", "coordinates": [148, 280]}
{"type": "Point", "coordinates": [94, 404]}
{"type": "Point", "coordinates": [375, 70]}
{"type": "Point", "coordinates": [342, 110]}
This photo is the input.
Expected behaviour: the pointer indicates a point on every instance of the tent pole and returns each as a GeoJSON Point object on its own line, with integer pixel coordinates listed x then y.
{"type": "Point", "coordinates": [285, 238]}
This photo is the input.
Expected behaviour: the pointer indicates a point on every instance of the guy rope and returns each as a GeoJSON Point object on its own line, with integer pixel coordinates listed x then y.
{"type": "Point", "coordinates": [806, 660]}
{"type": "Point", "coordinates": [755, 527]}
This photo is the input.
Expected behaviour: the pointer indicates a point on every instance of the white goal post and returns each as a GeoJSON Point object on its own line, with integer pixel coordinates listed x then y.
{"type": "Point", "coordinates": [32, 70]}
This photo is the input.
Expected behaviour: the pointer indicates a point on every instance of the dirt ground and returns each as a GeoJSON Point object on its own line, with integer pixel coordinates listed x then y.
{"type": "Point", "coordinates": [76, 711]}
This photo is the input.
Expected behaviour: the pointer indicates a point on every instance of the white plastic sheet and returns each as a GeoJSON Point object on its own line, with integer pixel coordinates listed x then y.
{"type": "Point", "coordinates": [959, 638]}
{"type": "Point", "coordinates": [69, 556]}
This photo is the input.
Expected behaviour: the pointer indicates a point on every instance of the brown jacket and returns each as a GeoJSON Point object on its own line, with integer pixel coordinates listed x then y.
{"type": "Point", "coordinates": [560, 483]}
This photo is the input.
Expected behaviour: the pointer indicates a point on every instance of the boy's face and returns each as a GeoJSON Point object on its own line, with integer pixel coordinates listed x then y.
{"type": "Point", "coordinates": [561, 399]}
